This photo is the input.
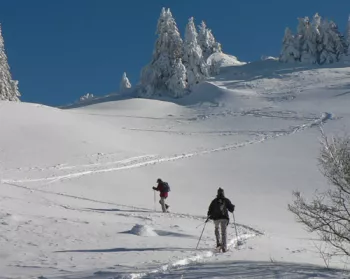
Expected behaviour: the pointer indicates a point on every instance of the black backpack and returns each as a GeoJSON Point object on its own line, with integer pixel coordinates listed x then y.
{"type": "Point", "coordinates": [222, 205]}
{"type": "Point", "coordinates": [219, 208]}
{"type": "Point", "coordinates": [166, 187]}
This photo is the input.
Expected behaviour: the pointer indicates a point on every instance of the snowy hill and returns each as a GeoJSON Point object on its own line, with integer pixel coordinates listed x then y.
{"type": "Point", "coordinates": [223, 60]}
{"type": "Point", "coordinates": [76, 198]}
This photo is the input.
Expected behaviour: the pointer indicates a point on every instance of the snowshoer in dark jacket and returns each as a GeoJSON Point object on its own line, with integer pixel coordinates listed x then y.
{"type": "Point", "coordinates": [163, 194]}
{"type": "Point", "coordinates": [218, 212]}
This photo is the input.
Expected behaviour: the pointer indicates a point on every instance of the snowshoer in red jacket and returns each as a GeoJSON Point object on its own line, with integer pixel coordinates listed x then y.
{"type": "Point", "coordinates": [163, 188]}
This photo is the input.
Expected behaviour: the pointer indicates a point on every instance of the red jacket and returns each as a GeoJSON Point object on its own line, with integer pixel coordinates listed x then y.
{"type": "Point", "coordinates": [160, 188]}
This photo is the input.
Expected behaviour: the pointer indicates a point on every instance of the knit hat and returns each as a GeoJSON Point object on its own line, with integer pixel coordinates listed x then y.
{"type": "Point", "coordinates": [221, 192]}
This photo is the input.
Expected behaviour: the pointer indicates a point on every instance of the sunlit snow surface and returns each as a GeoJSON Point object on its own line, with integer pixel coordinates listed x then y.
{"type": "Point", "coordinates": [76, 198]}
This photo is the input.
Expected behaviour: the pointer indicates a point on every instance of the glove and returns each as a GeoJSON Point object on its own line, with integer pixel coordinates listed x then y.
{"type": "Point", "coordinates": [154, 188]}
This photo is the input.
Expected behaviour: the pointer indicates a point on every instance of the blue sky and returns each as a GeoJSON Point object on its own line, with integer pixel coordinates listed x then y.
{"type": "Point", "coordinates": [60, 50]}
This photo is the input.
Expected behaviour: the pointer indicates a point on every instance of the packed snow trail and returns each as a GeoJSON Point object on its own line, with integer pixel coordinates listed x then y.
{"type": "Point", "coordinates": [227, 269]}
{"type": "Point", "coordinates": [245, 232]}
{"type": "Point", "coordinates": [198, 258]}
{"type": "Point", "coordinates": [324, 117]}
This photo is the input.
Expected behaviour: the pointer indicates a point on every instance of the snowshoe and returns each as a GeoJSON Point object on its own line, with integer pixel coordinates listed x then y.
{"type": "Point", "coordinates": [218, 248]}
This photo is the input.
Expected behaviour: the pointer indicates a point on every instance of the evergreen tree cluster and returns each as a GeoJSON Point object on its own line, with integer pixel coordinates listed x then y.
{"type": "Point", "coordinates": [318, 41]}
{"type": "Point", "coordinates": [177, 64]}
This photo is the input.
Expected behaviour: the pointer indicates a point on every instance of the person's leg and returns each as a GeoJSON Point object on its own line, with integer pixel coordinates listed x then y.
{"type": "Point", "coordinates": [224, 224]}
{"type": "Point", "coordinates": [162, 203]}
{"type": "Point", "coordinates": [166, 205]}
{"type": "Point", "coordinates": [217, 234]}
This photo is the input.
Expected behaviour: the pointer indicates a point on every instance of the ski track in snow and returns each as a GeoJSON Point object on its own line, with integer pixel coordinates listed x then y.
{"type": "Point", "coordinates": [66, 166]}
{"type": "Point", "coordinates": [131, 208]}
{"type": "Point", "coordinates": [198, 258]}
{"type": "Point", "coordinates": [128, 160]}
{"type": "Point", "coordinates": [134, 162]}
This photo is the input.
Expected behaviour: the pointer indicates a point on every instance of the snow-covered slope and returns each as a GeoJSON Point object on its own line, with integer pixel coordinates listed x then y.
{"type": "Point", "coordinates": [76, 198]}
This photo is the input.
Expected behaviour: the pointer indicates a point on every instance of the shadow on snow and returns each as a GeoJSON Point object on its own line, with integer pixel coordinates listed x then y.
{"type": "Point", "coordinates": [119, 250]}
{"type": "Point", "coordinates": [118, 210]}
{"type": "Point", "coordinates": [250, 269]}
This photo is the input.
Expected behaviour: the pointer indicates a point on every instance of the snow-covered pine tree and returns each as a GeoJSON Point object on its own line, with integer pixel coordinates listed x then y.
{"type": "Point", "coordinates": [317, 42]}
{"type": "Point", "coordinates": [307, 37]}
{"type": "Point", "coordinates": [15, 90]}
{"type": "Point", "coordinates": [202, 29]}
{"type": "Point", "coordinates": [290, 52]}
{"type": "Point", "coordinates": [177, 84]}
{"type": "Point", "coordinates": [124, 83]}
{"type": "Point", "coordinates": [197, 68]}
{"type": "Point", "coordinates": [318, 33]}
{"type": "Point", "coordinates": [334, 45]}
{"type": "Point", "coordinates": [8, 87]}
{"type": "Point", "coordinates": [86, 97]}
{"type": "Point", "coordinates": [207, 41]}
{"type": "Point", "coordinates": [347, 36]}
{"type": "Point", "coordinates": [340, 45]}
{"type": "Point", "coordinates": [327, 54]}
{"type": "Point", "coordinates": [167, 51]}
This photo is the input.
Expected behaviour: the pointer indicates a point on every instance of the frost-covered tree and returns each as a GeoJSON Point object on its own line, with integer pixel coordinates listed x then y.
{"type": "Point", "coordinates": [124, 83]}
{"type": "Point", "coordinates": [168, 49]}
{"type": "Point", "coordinates": [318, 41]}
{"type": "Point", "coordinates": [316, 23]}
{"type": "Point", "coordinates": [328, 213]}
{"type": "Point", "coordinates": [307, 41]}
{"type": "Point", "coordinates": [86, 97]}
{"type": "Point", "coordinates": [177, 83]}
{"type": "Point", "coordinates": [207, 41]}
{"type": "Point", "coordinates": [290, 52]}
{"type": "Point", "coordinates": [333, 43]}
{"type": "Point", "coordinates": [8, 87]}
{"type": "Point", "coordinates": [317, 29]}
{"type": "Point", "coordinates": [347, 36]}
{"type": "Point", "coordinates": [15, 90]}
{"type": "Point", "coordinates": [197, 68]}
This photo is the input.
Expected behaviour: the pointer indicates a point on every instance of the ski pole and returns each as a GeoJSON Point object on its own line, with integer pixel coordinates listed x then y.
{"type": "Point", "coordinates": [200, 225]}
{"type": "Point", "coordinates": [203, 223]}
{"type": "Point", "coordinates": [202, 233]}
{"type": "Point", "coordinates": [154, 199]}
{"type": "Point", "coordinates": [234, 222]}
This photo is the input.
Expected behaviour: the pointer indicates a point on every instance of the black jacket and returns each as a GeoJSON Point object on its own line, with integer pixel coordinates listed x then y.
{"type": "Point", "coordinates": [219, 208]}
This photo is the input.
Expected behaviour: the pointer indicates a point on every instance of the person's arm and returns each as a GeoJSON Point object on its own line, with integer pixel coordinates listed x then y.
{"type": "Point", "coordinates": [210, 210]}
{"type": "Point", "coordinates": [229, 205]}
{"type": "Point", "coordinates": [156, 188]}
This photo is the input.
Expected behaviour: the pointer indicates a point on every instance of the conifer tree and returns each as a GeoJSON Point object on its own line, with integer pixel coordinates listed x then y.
{"type": "Point", "coordinates": [167, 52]}
{"type": "Point", "coordinates": [207, 41]}
{"type": "Point", "coordinates": [124, 83]}
{"type": "Point", "coordinates": [197, 68]}
{"type": "Point", "coordinates": [8, 87]}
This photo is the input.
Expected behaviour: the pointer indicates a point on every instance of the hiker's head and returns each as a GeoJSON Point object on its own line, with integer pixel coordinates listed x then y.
{"type": "Point", "coordinates": [221, 192]}
{"type": "Point", "coordinates": [159, 180]}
